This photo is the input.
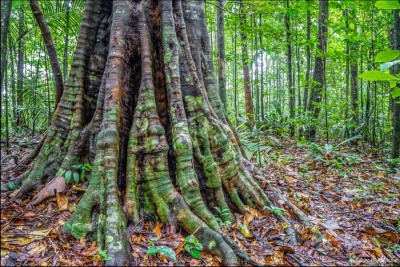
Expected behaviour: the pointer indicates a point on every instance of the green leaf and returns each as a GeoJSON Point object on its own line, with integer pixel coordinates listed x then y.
{"type": "Point", "coordinates": [393, 83]}
{"type": "Point", "coordinates": [87, 167]}
{"type": "Point", "coordinates": [387, 65]}
{"type": "Point", "coordinates": [395, 92]}
{"type": "Point", "coordinates": [375, 75]}
{"type": "Point", "coordinates": [76, 177]}
{"type": "Point", "coordinates": [167, 251]}
{"type": "Point", "coordinates": [82, 174]}
{"type": "Point", "coordinates": [191, 239]}
{"type": "Point", "coordinates": [188, 247]}
{"type": "Point", "coordinates": [195, 254]}
{"type": "Point", "coordinates": [387, 55]}
{"type": "Point", "coordinates": [11, 186]}
{"type": "Point", "coordinates": [152, 250]}
{"type": "Point", "coordinates": [68, 176]}
{"type": "Point", "coordinates": [199, 246]}
{"type": "Point", "coordinates": [390, 4]}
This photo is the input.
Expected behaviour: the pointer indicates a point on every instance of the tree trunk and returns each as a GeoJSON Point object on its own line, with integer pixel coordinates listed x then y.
{"type": "Point", "coordinates": [346, 95]}
{"type": "Point", "coordinates": [396, 102]}
{"type": "Point", "coordinates": [221, 51]}
{"type": "Point", "coordinates": [55, 66]}
{"type": "Point", "coordinates": [141, 104]}
{"type": "Point", "coordinates": [290, 70]}
{"type": "Point", "coordinates": [20, 71]}
{"type": "Point", "coordinates": [5, 22]}
{"type": "Point", "coordinates": [246, 68]}
{"type": "Point", "coordinates": [308, 59]}
{"type": "Point", "coordinates": [319, 68]}
{"type": "Point", "coordinates": [66, 39]}
{"type": "Point", "coordinates": [262, 70]}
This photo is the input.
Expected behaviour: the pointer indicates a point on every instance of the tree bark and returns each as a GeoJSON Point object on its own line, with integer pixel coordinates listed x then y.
{"type": "Point", "coordinates": [246, 68]}
{"type": "Point", "coordinates": [66, 39]}
{"type": "Point", "coordinates": [396, 101]}
{"type": "Point", "coordinates": [55, 66]}
{"type": "Point", "coordinates": [221, 50]}
{"type": "Point", "coordinates": [291, 88]}
{"type": "Point", "coordinates": [320, 67]}
{"type": "Point", "coordinates": [5, 25]}
{"type": "Point", "coordinates": [141, 105]}
{"type": "Point", "coordinates": [20, 71]}
{"type": "Point", "coordinates": [308, 58]}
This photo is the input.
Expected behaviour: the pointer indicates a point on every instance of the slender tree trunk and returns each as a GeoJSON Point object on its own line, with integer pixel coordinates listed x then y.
{"type": "Point", "coordinates": [235, 74]}
{"type": "Point", "coordinates": [290, 76]}
{"type": "Point", "coordinates": [5, 22]}
{"type": "Point", "coordinates": [298, 74]}
{"type": "Point", "coordinates": [20, 71]}
{"type": "Point", "coordinates": [347, 74]}
{"type": "Point", "coordinates": [320, 67]}
{"type": "Point", "coordinates": [308, 59]}
{"type": "Point", "coordinates": [262, 69]}
{"type": "Point", "coordinates": [246, 68]}
{"type": "Point", "coordinates": [66, 39]}
{"type": "Point", "coordinates": [221, 50]}
{"type": "Point", "coordinates": [396, 101]}
{"type": "Point", "coordinates": [55, 66]}
{"type": "Point", "coordinates": [13, 79]}
{"type": "Point", "coordinates": [6, 101]}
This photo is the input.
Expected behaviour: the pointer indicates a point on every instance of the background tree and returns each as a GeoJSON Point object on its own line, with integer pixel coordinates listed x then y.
{"type": "Point", "coordinates": [319, 78]}
{"type": "Point", "coordinates": [48, 41]}
{"type": "Point", "coordinates": [246, 68]}
{"type": "Point", "coordinates": [396, 100]}
{"type": "Point", "coordinates": [221, 50]}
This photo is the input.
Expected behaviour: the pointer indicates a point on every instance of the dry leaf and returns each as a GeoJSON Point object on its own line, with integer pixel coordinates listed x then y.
{"type": "Point", "coordinates": [37, 249]}
{"type": "Point", "coordinates": [157, 229]}
{"type": "Point", "coordinates": [62, 201]}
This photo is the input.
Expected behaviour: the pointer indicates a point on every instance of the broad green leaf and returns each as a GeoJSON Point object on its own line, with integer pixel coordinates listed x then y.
{"type": "Point", "coordinates": [387, 55]}
{"type": "Point", "coordinates": [87, 167]}
{"type": "Point", "coordinates": [393, 83]}
{"type": "Point", "coordinates": [152, 251]}
{"type": "Point", "coordinates": [395, 92]}
{"type": "Point", "coordinates": [191, 239]}
{"type": "Point", "coordinates": [376, 75]}
{"type": "Point", "coordinates": [76, 177]}
{"type": "Point", "coordinates": [67, 176]}
{"type": "Point", "coordinates": [82, 174]}
{"type": "Point", "coordinates": [188, 247]}
{"type": "Point", "coordinates": [195, 254]}
{"type": "Point", "coordinates": [167, 251]}
{"type": "Point", "coordinates": [390, 4]}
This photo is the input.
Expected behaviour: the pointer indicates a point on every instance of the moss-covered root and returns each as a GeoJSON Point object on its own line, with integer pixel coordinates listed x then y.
{"type": "Point", "coordinates": [204, 233]}
{"type": "Point", "coordinates": [58, 138]}
{"type": "Point", "coordinates": [101, 199]}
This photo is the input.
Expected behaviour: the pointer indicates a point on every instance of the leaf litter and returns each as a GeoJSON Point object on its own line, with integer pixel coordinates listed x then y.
{"type": "Point", "coordinates": [354, 211]}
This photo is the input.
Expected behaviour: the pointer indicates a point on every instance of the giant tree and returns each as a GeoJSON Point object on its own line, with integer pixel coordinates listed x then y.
{"type": "Point", "coordinates": [141, 104]}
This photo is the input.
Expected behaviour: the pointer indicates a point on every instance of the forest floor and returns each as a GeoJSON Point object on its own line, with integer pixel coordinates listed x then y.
{"type": "Point", "coordinates": [356, 207]}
